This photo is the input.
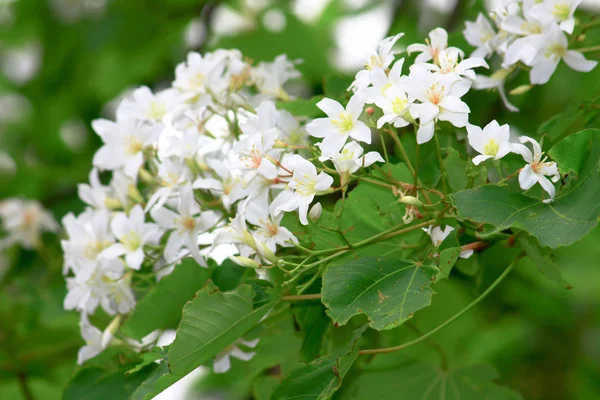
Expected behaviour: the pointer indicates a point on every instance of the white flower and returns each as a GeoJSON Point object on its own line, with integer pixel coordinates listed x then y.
{"type": "Point", "coordinates": [24, 221]}
{"type": "Point", "coordinates": [558, 11]}
{"type": "Point", "coordinates": [490, 142]}
{"type": "Point", "coordinates": [147, 106]}
{"type": "Point", "coordinates": [201, 74]}
{"type": "Point", "coordinates": [221, 363]}
{"type": "Point", "coordinates": [88, 235]}
{"type": "Point", "coordinates": [236, 232]}
{"type": "Point", "coordinates": [537, 168]}
{"type": "Point", "coordinates": [440, 100]}
{"type": "Point", "coordinates": [395, 106]}
{"type": "Point", "coordinates": [268, 229]}
{"type": "Point", "coordinates": [437, 235]}
{"type": "Point", "coordinates": [185, 225]}
{"type": "Point", "coordinates": [172, 174]}
{"type": "Point", "coordinates": [340, 124]}
{"type": "Point", "coordinates": [480, 34]}
{"type": "Point", "coordinates": [256, 152]}
{"type": "Point", "coordinates": [306, 184]}
{"type": "Point", "coordinates": [350, 159]}
{"type": "Point", "coordinates": [133, 234]}
{"type": "Point", "coordinates": [93, 340]}
{"type": "Point", "coordinates": [449, 61]}
{"type": "Point", "coordinates": [438, 41]}
{"type": "Point", "coordinates": [270, 78]}
{"type": "Point", "coordinates": [291, 131]}
{"type": "Point", "coordinates": [554, 49]}
{"type": "Point", "coordinates": [382, 82]}
{"type": "Point", "coordinates": [124, 142]}
{"type": "Point", "coordinates": [381, 59]}
{"type": "Point", "coordinates": [384, 55]}
{"type": "Point", "coordinates": [228, 184]}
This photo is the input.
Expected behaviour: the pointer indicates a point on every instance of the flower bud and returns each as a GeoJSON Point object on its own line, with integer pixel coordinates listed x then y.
{"type": "Point", "coordinates": [146, 176]}
{"type": "Point", "coordinates": [413, 201]}
{"type": "Point", "coordinates": [110, 331]}
{"type": "Point", "coordinates": [112, 203]}
{"type": "Point", "coordinates": [266, 253]}
{"type": "Point", "coordinates": [315, 212]}
{"type": "Point", "coordinates": [520, 90]}
{"type": "Point", "coordinates": [370, 110]}
{"type": "Point", "coordinates": [249, 240]}
{"type": "Point", "coordinates": [244, 262]}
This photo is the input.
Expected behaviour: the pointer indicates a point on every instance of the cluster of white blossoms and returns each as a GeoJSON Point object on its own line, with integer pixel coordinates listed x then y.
{"type": "Point", "coordinates": [430, 93]}
{"type": "Point", "coordinates": [532, 33]}
{"type": "Point", "coordinates": [24, 221]}
{"type": "Point", "coordinates": [207, 162]}
{"type": "Point", "coordinates": [211, 164]}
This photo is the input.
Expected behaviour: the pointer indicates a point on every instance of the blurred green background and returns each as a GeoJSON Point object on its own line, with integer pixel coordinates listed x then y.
{"type": "Point", "coordinates": [62, 64]}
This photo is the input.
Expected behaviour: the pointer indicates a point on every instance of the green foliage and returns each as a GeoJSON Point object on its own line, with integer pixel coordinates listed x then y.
{"type": "Point", "coordinates": [211, 322]}
{"type": "Point", "coordinates": [571, 216]}
{"type": "Point", "coordinates": [415, 380]}
{"type": "Point", "coordinates": [321, 378]}
{"type": "Point", "coordinates": [161, 307]}
{"type": "Point", "coordinates": [387, 291]}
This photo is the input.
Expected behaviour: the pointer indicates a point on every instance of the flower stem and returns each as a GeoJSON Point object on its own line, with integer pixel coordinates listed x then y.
{"type": "Point", "coordinates": [589, 49]}
{"type": "Point", "coordinates": [442, 170]}
{"type": "Point", "coordinates": [302, 297]}
{"type": "Point", "coordinates": [449, 321]}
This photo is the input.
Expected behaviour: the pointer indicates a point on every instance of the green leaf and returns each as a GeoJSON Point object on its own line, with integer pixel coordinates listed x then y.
{"type": "Point", "coordinates": [93, 383]}
{"type": "Point", "coordinates": [567, 219]}
{"type": "Point", "coordinates": [575, 117]}
{"type": "Point", "coordinates": [387, 291]}
{"type": "Point", "coordinates": [410, 379]}
{"type": "Point", "coordinates": [322, 377]}
{"type": "Point", "coordinates": [157, 353]}
{"type": "Point", "coordinates": [161, 307]}
{"type": "Point", "coordinates": [211, 322]}
{"type": "Point", "coordinates": [159, 380]}
{"type": "Point", "coordinates": [449, 252]}
{"type": "Point", "coordinates": [455, 168]}
{"type": "Point", "coordinates": [314, 322]}
{"type": "Point", "coordinates": [544, 264]}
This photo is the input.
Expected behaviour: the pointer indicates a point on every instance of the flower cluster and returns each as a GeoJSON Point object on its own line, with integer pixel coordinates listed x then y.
{"type": "Point", "coordinates": [430, 93]}
{"type": "Point", "coordinates": [205, 163]}
{"type": "Point", "coordinates": [209, 167]}
{"type": "Point", "coordinates": [526, 33]}
{"type": "Point", "coordinates": [24, 221]}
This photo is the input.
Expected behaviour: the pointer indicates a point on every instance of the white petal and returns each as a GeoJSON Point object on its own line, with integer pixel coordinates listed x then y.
{"type": "Point", "coordinates": [547, 186]}
{"type": "Point", "coordinates": [541, 72]}
{"type": "Point", "coordinates": [361, 132]}
{"type": "Point", "coordinates": [425, 132]}
{"type": "Point", "coordinates": [527, 177]}
{"type": "Point", "coordinates": [332, 108]}
{"type": "Point", "coordinates": [480, 158]}
{"type": "Point", "coordinates": [578, 62]}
